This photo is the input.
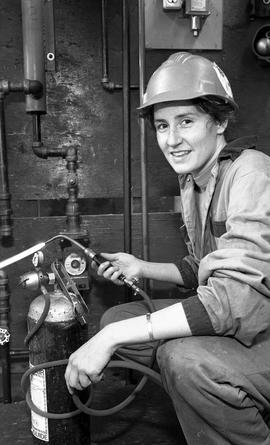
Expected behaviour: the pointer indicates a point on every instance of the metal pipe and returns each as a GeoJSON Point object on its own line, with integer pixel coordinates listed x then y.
{"type": "Point", "coordinates": [36, 127]}
{"type": "Point", "coordinates": [72, 207]}
{"type": "Point", "coordinates": [26, 86]}
{"type": "Point", "coordinates": [38, 147]}
{"type": "Point", "coordinates": [71, 156]}
{"type": "Point", "coordinates": [144, 182]}
{"type": "Point", "coordinates": [19, 353]}
{"type": "Point", "coordinates": [5, 206]}
{"type": "Point", "coordinates": [33, 50]}
{"type": "Point", "coordinates": [108, 84]}
{"type": "Point", "coordinates": [126, 128]}
{"type": "Point", "coordinates": [4, 324]}
{"type": "Point", "coordinates": [104, 36]}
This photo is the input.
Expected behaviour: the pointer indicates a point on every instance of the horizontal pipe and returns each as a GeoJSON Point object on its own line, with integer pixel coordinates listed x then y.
{"type": "Point", "coordinates": [19, 353]}
{"type": "Point", "coordinates": [111, 86]}
{"type": "Point", "coordinates": [25, 86]}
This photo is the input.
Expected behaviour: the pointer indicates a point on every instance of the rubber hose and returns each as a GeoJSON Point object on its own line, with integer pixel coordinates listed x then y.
{"type": "Point", "coordinates": [127, 363]}
{"type": "Point", "coordinates": [40, 320]}
{"type": "Point", "coordinates": [83, 407]}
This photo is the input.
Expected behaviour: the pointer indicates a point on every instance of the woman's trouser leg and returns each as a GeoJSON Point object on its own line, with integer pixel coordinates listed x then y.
{"type": "Point", "coordinates": [220, 389]}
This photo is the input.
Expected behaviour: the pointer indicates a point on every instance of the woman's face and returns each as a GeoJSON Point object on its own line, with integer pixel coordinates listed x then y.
{"type": "Point", "coordinates": [187, 136]}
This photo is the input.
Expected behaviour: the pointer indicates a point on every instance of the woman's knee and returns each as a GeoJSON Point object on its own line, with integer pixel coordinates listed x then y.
{"type": "Point", "coordinates": [172, 356]}
{"type": "Point", "coordinates": [183, 362]}
{"type": "Point", "coordinates": [122, 312]}
{"type": "Point", "coordinates": [111, 315]}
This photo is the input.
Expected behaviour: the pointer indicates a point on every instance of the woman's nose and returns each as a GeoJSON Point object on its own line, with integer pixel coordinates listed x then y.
{"type": "Point", "coordinates": [174, 137]}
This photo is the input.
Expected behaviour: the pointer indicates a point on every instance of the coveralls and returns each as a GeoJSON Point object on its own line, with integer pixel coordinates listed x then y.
{"type": "Point", "coordinates": [219, 379]}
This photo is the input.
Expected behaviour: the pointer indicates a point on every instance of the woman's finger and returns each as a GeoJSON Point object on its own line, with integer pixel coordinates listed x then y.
{"type": "Point", "coordinates": [108, 273]}
{"type": "Point", "coordinates": [115, 275]}
{"type": "Point", "coordinates": [71, 376]}
{"type": "Point", "coordinates": [84, 380]}
{"type": "Point", "coordinates": [97, 378]}
{"type": "Point", "coordinates": [103, 267]}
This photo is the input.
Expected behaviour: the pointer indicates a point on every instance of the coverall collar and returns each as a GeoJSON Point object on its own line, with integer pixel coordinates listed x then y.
{"type": "Point", "coordinates": [231, 151]}
{"type": "Point", "coordinates": [234, 148]}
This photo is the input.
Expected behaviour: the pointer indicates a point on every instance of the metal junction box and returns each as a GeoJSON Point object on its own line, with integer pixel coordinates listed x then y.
{"type": "Point", "coordinates": [171, 29]}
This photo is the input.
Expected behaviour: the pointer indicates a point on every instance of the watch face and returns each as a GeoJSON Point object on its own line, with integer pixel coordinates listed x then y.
{"type": "Point", "coordinates": [75, 264]}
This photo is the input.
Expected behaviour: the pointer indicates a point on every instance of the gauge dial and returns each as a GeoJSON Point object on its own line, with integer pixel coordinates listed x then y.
{"type": "Point", "coordinates": [75, 264]}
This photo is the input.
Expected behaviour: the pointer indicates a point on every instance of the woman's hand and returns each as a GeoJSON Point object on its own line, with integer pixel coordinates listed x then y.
{"type": "Point", "coordinates": [120, 263]}
{"type": "Point", "coordinates": [86, 365]}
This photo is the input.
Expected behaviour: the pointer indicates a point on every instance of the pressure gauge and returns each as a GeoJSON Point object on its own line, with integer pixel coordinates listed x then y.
{"type": "Point", "coordinates": [75, 264]}
{"type": "Point", "coordinates": [38, 259]}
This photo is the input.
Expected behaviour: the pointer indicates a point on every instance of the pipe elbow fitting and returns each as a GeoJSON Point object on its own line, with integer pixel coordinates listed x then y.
{"type": "Point", "coordinates": [34, 87]}
{"type": "Point", "coordinates": [40, 150]}
{"type": "Point", "coordinates": [107, 84]}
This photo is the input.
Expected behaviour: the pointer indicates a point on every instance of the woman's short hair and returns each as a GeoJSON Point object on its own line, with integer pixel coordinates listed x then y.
{"type": "Point", "coordinates": [219, 110]}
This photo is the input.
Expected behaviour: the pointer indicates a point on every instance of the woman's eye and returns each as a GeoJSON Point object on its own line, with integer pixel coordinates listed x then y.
{"type": "Point", "coordinates": [161, 127]}
{"type": "Point", "coordinates": [185, 122]}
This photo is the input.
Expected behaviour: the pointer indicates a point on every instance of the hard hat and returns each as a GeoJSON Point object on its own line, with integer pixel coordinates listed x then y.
{"type": "Point", "coordinates": [185, 76]}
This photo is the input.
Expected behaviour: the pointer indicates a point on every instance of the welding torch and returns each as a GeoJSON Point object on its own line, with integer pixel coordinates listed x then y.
{"type": "Point", "coordinates": [94, 256]}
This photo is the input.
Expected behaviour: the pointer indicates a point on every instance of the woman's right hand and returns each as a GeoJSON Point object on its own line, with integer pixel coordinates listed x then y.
{"type": "Point", "coordinates": [117, 264]}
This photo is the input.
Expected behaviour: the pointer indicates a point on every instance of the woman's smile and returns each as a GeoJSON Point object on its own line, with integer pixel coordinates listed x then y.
{"type": "Point", "coordinates": [180, 154]}
{"type": "Point", "coordinates": [187, 136]}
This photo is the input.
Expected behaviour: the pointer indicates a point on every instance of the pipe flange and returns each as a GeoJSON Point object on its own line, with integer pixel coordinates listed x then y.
{"type": "Point", "coordinates": [4, 336]}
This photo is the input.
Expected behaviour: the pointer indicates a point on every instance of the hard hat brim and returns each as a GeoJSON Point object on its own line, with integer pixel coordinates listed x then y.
{"type": "Point", "coordinates": [172, 97]}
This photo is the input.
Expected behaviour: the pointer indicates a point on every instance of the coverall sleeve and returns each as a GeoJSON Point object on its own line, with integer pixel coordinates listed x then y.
{"type": "Point", "coordinates": [235, 279]}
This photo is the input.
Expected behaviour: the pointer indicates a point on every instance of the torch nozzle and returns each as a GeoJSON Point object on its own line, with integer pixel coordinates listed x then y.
{"type": "Point", "coordinates": [13, 259]}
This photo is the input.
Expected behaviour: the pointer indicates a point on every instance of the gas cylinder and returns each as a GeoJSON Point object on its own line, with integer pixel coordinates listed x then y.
{"type": "Point", "coordinates": [59, 335]}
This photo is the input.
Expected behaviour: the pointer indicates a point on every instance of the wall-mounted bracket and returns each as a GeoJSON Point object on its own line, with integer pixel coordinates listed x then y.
{"type": "Point", "coordinates": [49, 36]}
{"type": "Point", "coordinates": [259, 8]}
{"type": "Point", "coordinates": [172, 29]}
{"type": "Point", "coordinates": [198, 11]}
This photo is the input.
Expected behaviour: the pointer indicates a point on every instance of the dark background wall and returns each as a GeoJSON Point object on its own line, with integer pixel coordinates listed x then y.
{"type": "Point", "coordinates": [80, 112]}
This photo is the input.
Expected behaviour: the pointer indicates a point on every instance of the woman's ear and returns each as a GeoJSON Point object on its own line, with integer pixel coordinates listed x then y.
{"type": "Point", "coordinates": [221, 126]}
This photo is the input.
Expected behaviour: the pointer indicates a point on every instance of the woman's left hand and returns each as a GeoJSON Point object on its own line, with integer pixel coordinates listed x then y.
{"type": "Point", "coordinates": [86, 364]}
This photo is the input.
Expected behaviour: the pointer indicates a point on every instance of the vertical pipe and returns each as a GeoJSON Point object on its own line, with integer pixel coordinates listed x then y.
{"type": "Point", "coordinates": [144, 184]}
{"type": "Point", "coordinates": [4, 323]}
{"type": "Point", "coordinates": [5, 209]}
{"type": "Point", "coordinates": [36, 127]}
{"type": "Point", "coordinates": [33, 50]}
{"type": "Point", "coordinates": [105, 76]}
{"type": "Point", "coordinates": [126, 129]}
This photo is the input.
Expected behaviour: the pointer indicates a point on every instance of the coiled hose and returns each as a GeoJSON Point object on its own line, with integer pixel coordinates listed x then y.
{"type": "Point", "coordinates": [84, 407]}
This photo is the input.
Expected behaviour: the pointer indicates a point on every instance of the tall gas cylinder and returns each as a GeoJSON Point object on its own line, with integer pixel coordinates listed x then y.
{"type": "Point", "coordinates": [59, 335]}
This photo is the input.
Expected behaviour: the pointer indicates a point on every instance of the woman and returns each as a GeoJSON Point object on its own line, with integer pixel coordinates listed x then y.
{"type": "Point", "coordinates": [215, 362]}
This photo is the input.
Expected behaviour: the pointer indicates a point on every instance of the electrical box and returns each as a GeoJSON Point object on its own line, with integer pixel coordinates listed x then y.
{"type": "Point", "coordinates": [169, 28]}
{"type": "Point", "coordinates": [259, 8]}
{"type": "Point", "coordinates": [172, 4]}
